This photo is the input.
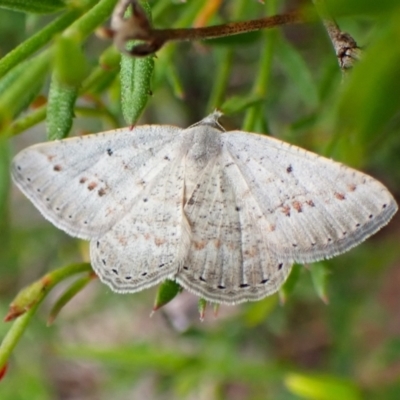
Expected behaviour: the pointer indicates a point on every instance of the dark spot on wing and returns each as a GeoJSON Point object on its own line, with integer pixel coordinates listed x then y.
{"type": "Point", "coordinates": [280, 265]}
{"type": "Point", "coordinates": [144, 273]}
{"type": "Point", "coordinates": [244, 285]}
{"type": "Point", "coordinates": [265, 280]}
{"type": "Point", "coordinates": [57, 168]}
{"type": "Point", "coordinates": [340, 196]}
{"type": "Point", "coordinates": [104, 261]}
{"type": "Point", "coordinates": [91, 186]}
{"type": "Point", "coordinates": [161, 265]}
{"type": "Point", "coordinates": [289, 169]}
{"type": "Point", "coordinates": [221, 287]}
{"type": "Point", "coordinates": [145, 200]}
{"type": "Point", "coordinates": [109, 152]}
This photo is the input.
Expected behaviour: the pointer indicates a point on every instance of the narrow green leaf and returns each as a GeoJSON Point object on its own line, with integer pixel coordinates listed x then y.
{"type": "Point", "coordinates": [20, 86]}
{"type": "Point", "coordinates": [135, 75]}
{"type": "Point", "coordinates": [70, 65]}
{"type": "Point", "coordinates": [65, 83]}
{"type": "Point", "coordinates": [287, 288]}
{"type": "Point", "coordinates": [34, 6]}
{"type": "Point", "coordinates": [69, 294]}
{"type": "Point", "coordinates": [51, 279]}
{"type": "Point", "coordinates": [201, 306]}
{"type": "Point", "coordinates": [37, 41]}
{"type": "Point", "coordinates": [165, 293]}
{"type": "Point", "coordinates": [371, 95]}
{"type": "Point", "coordinates": [298, 72]}
{"type": "Point", "coordinates": [236, 104]}
{"type": "Point", "coordinates": [60, 109]}
{"type": "Point", "coordinates": [319, 274]}
{"type": "Point", "coordinates": [357, 7]}
{"type": "Point", "coordinates": [5, 156]}
{"type": "Point", "coordinates": [321, 387]}
{"type": "Point", "coordinates": [174, 80]}
{"type": "Point", "coordinates": [258, 311]}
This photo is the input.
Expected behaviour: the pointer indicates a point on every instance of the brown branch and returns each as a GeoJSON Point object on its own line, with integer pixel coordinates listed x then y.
{"type": "Point", "coordinates": [138, 27]}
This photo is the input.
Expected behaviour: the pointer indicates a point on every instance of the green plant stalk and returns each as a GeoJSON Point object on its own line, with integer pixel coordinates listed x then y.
{"type": "Point", "coordinates": [101, 112]}
{"type": "Point", "coordinates": [18, 327]}
{"type": "Point", "coordinates": [15, 95]}
{"type": "Point", "coordinates": [97, 14]}
{"type": "Point", "coordinates": [14, 334]}
{"type": "Point", "coordinates": [74, 289]}
{"type": "Point", "coordinates": [224, 67]}
{"type": "Point", "coordinates": [24, 123]}
{"type": "Point", "coordinates": [33, 6]}
{"type": "Point", "coordinates": [37, 116]}
{"type": "Point", "coordinates": [221, 79]}
{"type": "Point", "coordinates": [261, 82]}
{"type": "Point", "coordinates": [37, 41]}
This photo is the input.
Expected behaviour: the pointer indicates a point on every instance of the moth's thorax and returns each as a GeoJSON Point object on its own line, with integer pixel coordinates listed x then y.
{"type": "Point", "coordinates": [203, 144]}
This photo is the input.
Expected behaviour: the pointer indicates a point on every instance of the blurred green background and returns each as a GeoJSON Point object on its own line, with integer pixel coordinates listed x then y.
{"type": "Point", "coordinates": [284, 82]}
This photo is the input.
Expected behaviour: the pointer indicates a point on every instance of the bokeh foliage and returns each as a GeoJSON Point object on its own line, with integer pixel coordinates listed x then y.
{"type": "Point", "coordinates": [284, 82]}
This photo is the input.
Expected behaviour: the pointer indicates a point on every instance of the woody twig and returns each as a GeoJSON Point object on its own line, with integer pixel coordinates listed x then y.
{"type": "Point", "coordinates": [138, 27]}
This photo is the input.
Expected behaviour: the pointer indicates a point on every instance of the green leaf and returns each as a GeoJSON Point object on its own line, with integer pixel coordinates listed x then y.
{"type": "Point", "coordinates": [165, 293]}
{"type": "Point", "coordinates": [70, 66]}
{"type": "Point", "coordinates": [321, 387]}
{"type": "Point", "coordinates": [20, 86]}
{"type": "Point", "coordinates": [68, 295]}
{"type": "Point", "coordinates": [258, 311]}
{"type": "Point", "coordinates": [371, 95]}
{"type": "Point", "coordinates": [319, 274]}
{"type": "Point", "coordinates": [136, 75]}
{"type": "Point", "coordinates": [64, 87]}
{"type": "Point", "coordinates": [298, 72]}
{"type": "Point", "coordinates": [201, 306]}
{"type": "Point", "coordinates": [287, 288]}
{"type": "Point", "coordinates": [36, 41]}
{"type": "Point", "coordinates": [60, 109]}
{"type": "Point", "coordinates": [34, 6]}
{"type": "Point", "coordinates": [357, 7]}
{"type": "Point", "coordinates": [236, 104]}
